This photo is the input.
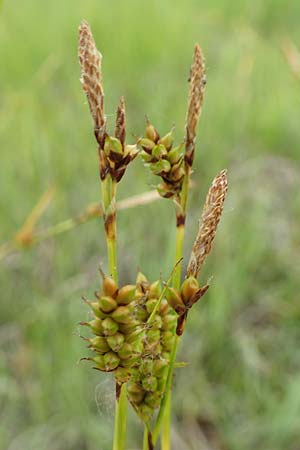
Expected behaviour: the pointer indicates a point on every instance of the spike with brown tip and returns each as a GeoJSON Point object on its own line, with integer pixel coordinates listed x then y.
{"type": "Point", "coordinates": [120, 131]}
{"type": "Point", "coordinates": [195, 100]}
{"type": "Point", "coordinates": [211, 215]}
{"type": "Point", "coordinates": [91, 79]}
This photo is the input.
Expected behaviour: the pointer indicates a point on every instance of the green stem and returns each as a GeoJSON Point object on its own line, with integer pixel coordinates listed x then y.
{"type": "Point", "coordinates": [109, 188]}
{"type": "Point", "coordinates": [112, 258]}
{"type": "Point", "coordinates": [178, 255]}
{"type": "Point", "coordinates": [120, 420]}
{"type": "Point", "coordinates": [165, 408]}
{"type": "Point", "coordinates": [164, 416]}
{"type": "Point", "coordinates": [145, 439]}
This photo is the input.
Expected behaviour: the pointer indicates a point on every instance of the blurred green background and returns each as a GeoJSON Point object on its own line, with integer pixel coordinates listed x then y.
{"type": "Point", "coordinates": [241, 389]}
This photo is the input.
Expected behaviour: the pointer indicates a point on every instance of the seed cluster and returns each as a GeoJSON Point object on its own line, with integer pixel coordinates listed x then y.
{"type": "Point", "coordinates": [131, 345]}
{"type": "Point", "coordinates": [182, 301]}
{"type": "Point", "coordinates": [116, 344]}
{"type": "Point", "coordinates": [163, 159]}
{"type": "Point", "coordinates": [146, 386]}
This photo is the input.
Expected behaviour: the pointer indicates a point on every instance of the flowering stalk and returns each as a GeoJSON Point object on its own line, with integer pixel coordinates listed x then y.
{"type": "Point", "coordinates": [195, 101]}
{"type": "Point", "coordinates": [114, 156]}
{"type": "Point", "coordinates": [137, 327]}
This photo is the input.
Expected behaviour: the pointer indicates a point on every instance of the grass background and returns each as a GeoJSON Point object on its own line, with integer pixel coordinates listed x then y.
{"type": "Point", "coordinates": [241, 389]}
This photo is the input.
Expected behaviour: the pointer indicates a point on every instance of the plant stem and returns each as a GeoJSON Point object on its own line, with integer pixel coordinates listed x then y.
{"type": "Point", "coordinates": [109, 188]}
{"type": "Point", "coordinates": [164, 416]}
{"type": "Point", "coordinates": [145, 439]}
{"type": "Point", "coordinates": [120, 418]}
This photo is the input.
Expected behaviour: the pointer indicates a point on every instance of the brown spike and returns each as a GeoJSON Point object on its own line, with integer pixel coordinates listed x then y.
{"type": "Point", "coordinates": [211, 215]}
{"type": "Point", "coordinates": [120, 132]}
{"type": "Point", "coordinates": [91, 78]}
{"type": "Point", "coordinates": [195, 100]}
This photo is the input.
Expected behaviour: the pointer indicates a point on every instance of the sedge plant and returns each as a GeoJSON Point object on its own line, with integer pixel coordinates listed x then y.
{"type": "Point", "coordinates": [135, 328]}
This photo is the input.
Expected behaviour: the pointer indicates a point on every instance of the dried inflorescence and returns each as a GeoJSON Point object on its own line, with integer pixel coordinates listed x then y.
{"type": "Point", "coordinates": [210, 218]}
{"type": "Point", "coordinates": [195, 100]}
{"type": "Point", "coordinates": [114, 154]}
{"type": "Point", "coordinates": [91, 79]}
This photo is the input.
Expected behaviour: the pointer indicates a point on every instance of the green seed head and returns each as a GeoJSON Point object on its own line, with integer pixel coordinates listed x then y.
{"type": "Point", "coordinates": [146, 157]}
{"type": "Point", "coordinates": [153, 336]}
{"type": "Point", "coordinates": [125, 351]}
{"type": "Point", "coordinates": [165, 190]}
{"type": "Point", "coordinates": [159, 366]}
{"type": "Point", "coordinates": [135, 336]}
{"type": "Point", "coordinates": [112, 145]}
{"type": "Point", "coordinates": [149, 383]}
{"type": "Point", "coordinates": [100, 344]}
{"type": "Point", "coordinates": [107, 304]}
{"type": "Point", "coordinates": [96, 326]}
{"type": "Point", "coordinates": [169, 322]}
{"type": "Point", "coordinates": [150, 132]}
{"type": "Point", "coordinates": [176, 174]}
{"type": "Point", "coordinates": [141, 314]}
{"type": "Point", "coordinates": [141, 279]}
{"type": "Point", "coordinates": [188, 288]}
{"type": "Point", "coordinates": [137, 347]}
{"type": "Point", "coordinates": [116, 341]}
{"type": "Point", "coordinates": [150, 304]}
{"type": "Point", "coordinates": [167, 340]}
{"type": "Point", "coordinates": [130, 362]}
{"type": "Point", "coordinates": [164, 307]}
{"type": "Point", "coordinates": [159, 151]}
{"type": "Point", "coordinates": [122, 374]}
{"type": "Point", "coordinates": [146, 366]}
{"type": "Point", "coordinates": [126, 294]}
{"type": "Point", "coordinates": [135, 392]}
{"type": "Point", "coordinates": [156, 322]}
{"type": "Point", "coordinates": [160, 167]}
{"type": "Point", "coordinates": [122, 315]}
{"type": "Point", "coordinates": [99, 361]}
{"type": "Point", "coordinates": [96, 310]}
{"type": "Point", "coordinates": [152, 399]}
{"type": "Point", "coordinates": [146, 144]}
{"type": "Point", "coordinates": [109, 287]}
{"type": "Point", "coordinates": [128, 328]}
{"type": "Point", "coordinates": [174, 299]}
{"type": "Point", "coordinates": [111, 361]}
{"type": "Point", "coordinates": [155, 289]}
{"type": "Point", "coordinates": [175, 154]}
{"type": "Point", "coordinates": [167, 140]}
{"type": "Point", "coordinates": [145, 412]}
{"type": "Point", "coordinates": [110, 327]}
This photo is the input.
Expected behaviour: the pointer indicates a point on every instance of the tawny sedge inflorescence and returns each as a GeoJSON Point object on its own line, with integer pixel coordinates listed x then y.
{"type": "Point", "coordinates": [210, 218]}
{"type": "Point", "coordinates": [91, 78]}
{"type": "Point", "coordinates": [195, 100]}
{"type": "Point", "coordinates": [114, 154]}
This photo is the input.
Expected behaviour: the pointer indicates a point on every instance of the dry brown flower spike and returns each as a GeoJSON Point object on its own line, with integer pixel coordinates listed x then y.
{"type": "Point", "coordinates": [210, 218]}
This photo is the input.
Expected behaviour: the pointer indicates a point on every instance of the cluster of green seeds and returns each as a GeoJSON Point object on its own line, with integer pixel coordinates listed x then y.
{"type": "Point", "coordinates": [116, 343]}
{"type": "Point", "coordinates": [164, 160]}
{"type": "Point", "coordinates": [131, 340]}
{"type": "Point", "coordinates": [147, 383]}
{"type": "Point", "coordinates": [181, 301]}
